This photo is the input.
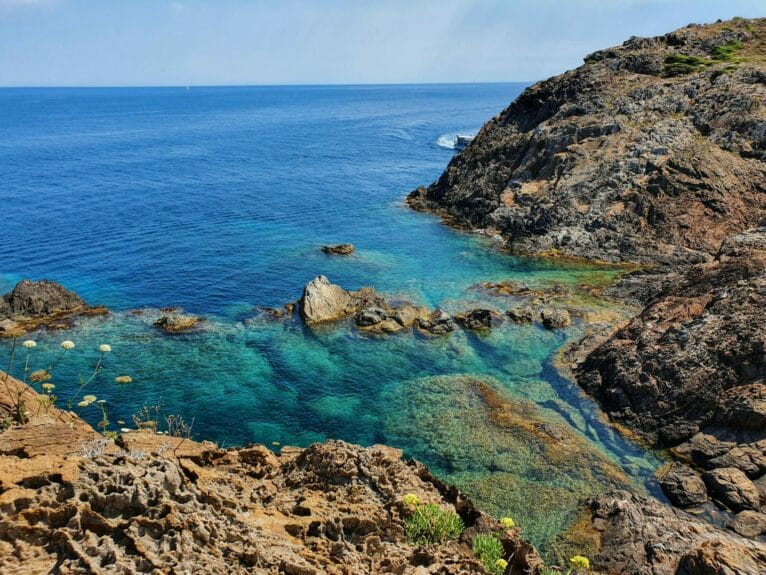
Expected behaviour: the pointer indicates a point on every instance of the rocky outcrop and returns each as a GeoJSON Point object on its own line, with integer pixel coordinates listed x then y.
{"type": "Point", "coordinates": [34, 304]}
{"type": "Point", "coordinates": [695, 356]}
{"type": "Point", "coordinates": [651, 152]}
{"type": "Point", "coordinates": [642, 536]}
{"type": "Point", "coordinates": [339, 249]}
{"type": "Point", "coordinates": [323, 301]}
{"type": "Point", "coordinates": [689, 373]}
{"type": "Point", "coordinates": [154, 503]}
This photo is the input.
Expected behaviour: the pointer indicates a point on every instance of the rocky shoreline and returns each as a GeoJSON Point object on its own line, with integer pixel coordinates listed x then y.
{"type": "Point", "coordinates": [654, 153]}
{"type": "Point", "coordinates": [633, 158]}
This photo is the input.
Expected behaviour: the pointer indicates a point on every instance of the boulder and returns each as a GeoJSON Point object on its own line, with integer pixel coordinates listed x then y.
{"type": "Point", "coordinates": [323, 301]}
{"type": "Point", "coordinates": [555, 318]}
{"type": "Point", "coordinates": [731, 487]}
{"type": "Point", "coordinates": [406, 315]}
{"type": "Point", "coordinates": [370, 316]}
{"type": "Point", "coordinates": [748, 523]}
{"type": "Point", "coordinates": [476, 319]}
{"type": "Point", "coordinates": [438, 323]}
{"type": "Point", "coordinates": [339, 249]}
{"type": "Point", "coordinates": [683, 486]}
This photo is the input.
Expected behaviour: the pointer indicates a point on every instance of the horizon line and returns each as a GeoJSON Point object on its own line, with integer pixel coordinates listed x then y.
{"type": "Point", "coordinates": [267, 85]}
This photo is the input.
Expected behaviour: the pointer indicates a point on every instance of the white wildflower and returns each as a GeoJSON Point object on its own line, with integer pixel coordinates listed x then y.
{"type": "Point", "coordinates": [29, 344]}
{"type": "Point", "coordinates": [67, 344]}
{"type": "Point", "coordinates": [104, 348]}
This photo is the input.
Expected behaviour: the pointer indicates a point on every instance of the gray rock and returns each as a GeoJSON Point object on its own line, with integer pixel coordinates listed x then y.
{"type": "Point", "coordinates": [476, 319]}
{"type": "Point", "coordinates": [30, 299]}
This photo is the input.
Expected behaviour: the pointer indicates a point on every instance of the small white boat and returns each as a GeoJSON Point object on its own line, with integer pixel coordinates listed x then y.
{"type": "Point", "coordinates": [462, 140]}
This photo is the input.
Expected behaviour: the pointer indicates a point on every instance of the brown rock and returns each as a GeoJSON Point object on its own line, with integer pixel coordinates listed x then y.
{"type": "Point", "coordinates": [748, 523]}
{"type": "Point", "coordinates": [339, 249]}
{"type": "Point", "coordinates": [179, 323]}
{"type": "Point", "coordinates": [682, 486]}
{"type": "Point", "coordinates": [731, 487]}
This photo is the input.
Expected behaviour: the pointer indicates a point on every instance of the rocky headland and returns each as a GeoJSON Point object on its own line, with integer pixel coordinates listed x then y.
{"type": "Point", "coordinates": [652, 153]}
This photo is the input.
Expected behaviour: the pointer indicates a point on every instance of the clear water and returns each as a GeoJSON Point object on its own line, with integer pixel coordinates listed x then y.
{"type": "Point", "coordinates": [217, 199]}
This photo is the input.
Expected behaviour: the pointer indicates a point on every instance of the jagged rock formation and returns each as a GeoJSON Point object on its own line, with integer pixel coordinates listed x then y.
{"type": "Point", "coordinates": [642, 536]}
{"type": "Point", "coordinates": [72, 502]}
{"type": "Point", "coordinates": [43, 303]}
{"type": "Point", "coordinates": [689, 372]}
{"type": "Point", "coordinates": [652, 152]}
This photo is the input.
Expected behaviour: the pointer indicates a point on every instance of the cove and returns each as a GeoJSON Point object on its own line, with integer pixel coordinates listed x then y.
{"type": "Point", "coordinates": [218, 199]}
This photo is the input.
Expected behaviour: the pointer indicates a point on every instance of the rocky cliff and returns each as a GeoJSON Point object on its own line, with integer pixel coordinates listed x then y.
{"type": "Point", "coordinates": [651, 152]}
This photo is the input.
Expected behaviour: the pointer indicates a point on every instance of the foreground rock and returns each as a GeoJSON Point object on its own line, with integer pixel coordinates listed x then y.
{"type": "Point", "coordinates": [32, 304]}
{"type": "Point", "coordinates": [339, 249]}
{"type": "Point", "coordinates": [634, 156]}
{"type": "Point", "coordinates": [166, 505]}
{"type": "Point", "coordinates": [640, 535]}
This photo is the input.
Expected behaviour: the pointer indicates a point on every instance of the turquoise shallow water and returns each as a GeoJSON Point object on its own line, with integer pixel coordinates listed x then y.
{"type": "Point", "coordinates": [217, 200]}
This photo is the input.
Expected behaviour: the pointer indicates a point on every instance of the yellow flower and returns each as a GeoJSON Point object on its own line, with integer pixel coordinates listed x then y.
{"type": "Point", "coordinates": [84, 403]}
{"type": "Point", "coordinates": [29, 344]}
{"type": "Point", "coordinates": [48, 386]}
{"type": "Point", "coordinates": [89, 398]}
{"type": "Point", "coordinates": [123, 379]}
{"type": "Point", "coordinates": [501, 565]}
{"type": "Point", "coordinates": [104, 348]}
{"type": "Point", "coordinates": [411, 499]}
{"type": "Point", "coordinates": [580, 563]}
{"type": "Point", "coordinates": [67, 344]}
{"type": "Point", "coordinates": [508, 522]}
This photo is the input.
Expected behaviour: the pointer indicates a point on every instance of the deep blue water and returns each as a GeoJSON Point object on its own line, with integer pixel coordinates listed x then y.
{"type": "Point", "coordinates": [217, 200]}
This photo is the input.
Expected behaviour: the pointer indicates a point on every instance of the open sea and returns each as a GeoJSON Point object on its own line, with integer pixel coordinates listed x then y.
{"type": "Point", "coordinates": [218, 200]}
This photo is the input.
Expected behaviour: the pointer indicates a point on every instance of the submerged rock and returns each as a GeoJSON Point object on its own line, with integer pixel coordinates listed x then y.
{"type": "Point", "coordinates": [178, 323]}
{"type": "Point", "coordinates": [477, 319]}
{"type": "Point", "coordinates": [339, 249]}
{"type": "Point", "coordinates": [555, 318]}
{"type": "Point", "coordinates": [523, 314]}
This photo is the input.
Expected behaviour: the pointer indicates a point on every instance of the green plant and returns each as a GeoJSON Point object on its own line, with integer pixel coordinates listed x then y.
{"type": "Point", "coordinates": [682, 64]}
{"type": "Point", "coordinates": [430, 523]}
{"type": "Point", "coordinates": [488, 548]}
{"type": "Point", "coordinates": [725, 52]}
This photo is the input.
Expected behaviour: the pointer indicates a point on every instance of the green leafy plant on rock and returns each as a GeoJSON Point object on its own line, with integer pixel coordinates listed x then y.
{"type": "Point", "coordinates": [682, 64]}
{"type": "Point", "coordinates": [429, 524]}
{"type": "Point", "coordinates": [725, 52]}
{"type": "Point", "coordinates": [488, 548]}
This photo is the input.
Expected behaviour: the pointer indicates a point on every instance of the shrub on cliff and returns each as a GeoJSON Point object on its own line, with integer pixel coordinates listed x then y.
{"type": "Point", "coordinates": [430, 523]}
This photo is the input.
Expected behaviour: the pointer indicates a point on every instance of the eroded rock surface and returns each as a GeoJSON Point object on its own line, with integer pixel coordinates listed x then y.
{"type": "Point", "coordinates": [642, 536]}
{"type": "Point", "coordinates": [159, 504]}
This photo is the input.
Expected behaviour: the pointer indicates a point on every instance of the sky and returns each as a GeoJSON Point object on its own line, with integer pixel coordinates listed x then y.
{"type": "Point", "coordinates": [221, 42]}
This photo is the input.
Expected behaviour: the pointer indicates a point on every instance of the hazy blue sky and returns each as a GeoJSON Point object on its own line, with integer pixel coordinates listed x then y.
{"type": "Point", "coordinates": [155, 42]}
